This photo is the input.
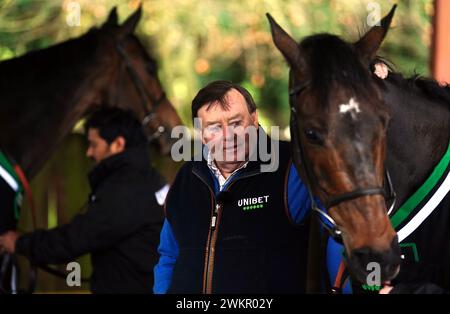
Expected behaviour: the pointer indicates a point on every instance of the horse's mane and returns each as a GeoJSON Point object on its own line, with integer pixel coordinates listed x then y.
{"type": "Point", "coordinates": [67, 56]}
{"type": "Point", "coordinates": [425, 85]}
{"type": "Point", "coordinates": [332, 60]}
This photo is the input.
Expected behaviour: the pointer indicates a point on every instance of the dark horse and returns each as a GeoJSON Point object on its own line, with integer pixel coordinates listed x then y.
{"type": "Point", "coordinates": [44, 93]}
{"type": "Point", "coordinates": [347, 127]}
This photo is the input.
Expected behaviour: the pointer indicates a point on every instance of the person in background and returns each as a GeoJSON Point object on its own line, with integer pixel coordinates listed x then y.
{"type": "Point", "coordinates": [121, 227]}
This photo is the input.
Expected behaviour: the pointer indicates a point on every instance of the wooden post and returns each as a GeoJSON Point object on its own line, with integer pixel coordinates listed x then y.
{"type": "Point", "coordinates": [441, 41]}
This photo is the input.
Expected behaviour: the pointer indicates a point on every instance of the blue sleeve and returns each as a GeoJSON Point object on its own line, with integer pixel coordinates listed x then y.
{"type": "Point", "coordinates": [299, 203]}
{"type": "Point", "coordinates": [168, 250]}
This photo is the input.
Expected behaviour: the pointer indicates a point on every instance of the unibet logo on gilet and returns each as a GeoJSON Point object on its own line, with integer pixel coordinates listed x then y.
{"type": "Point", "coordinates": [250, 203]}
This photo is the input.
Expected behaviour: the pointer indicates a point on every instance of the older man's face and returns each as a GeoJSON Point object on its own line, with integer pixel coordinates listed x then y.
{"type": "Point", "coordinates": [224, 130]}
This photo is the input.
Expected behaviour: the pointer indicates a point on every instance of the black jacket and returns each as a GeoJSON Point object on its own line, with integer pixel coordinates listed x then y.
{"type": "Point", "coordinates": [120, 228]}
{"type": "Point", "coordinates": [250, 246]}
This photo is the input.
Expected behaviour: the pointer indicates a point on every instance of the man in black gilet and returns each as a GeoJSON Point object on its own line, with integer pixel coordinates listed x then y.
{"type": "Point", "coordinates": [231, 215]}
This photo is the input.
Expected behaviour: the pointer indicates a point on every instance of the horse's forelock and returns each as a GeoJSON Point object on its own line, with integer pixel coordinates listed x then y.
{"type": "Point", "coordinates": [332, 61]}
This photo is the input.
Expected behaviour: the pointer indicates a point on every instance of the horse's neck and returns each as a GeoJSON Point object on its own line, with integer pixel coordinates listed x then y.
{"type": "Point", "coordinates": [42, 111]}
{"type": "Point", "coordinates": [417, 138]}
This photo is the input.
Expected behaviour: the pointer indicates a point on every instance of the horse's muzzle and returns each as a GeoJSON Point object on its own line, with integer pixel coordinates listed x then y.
{"type": "Point", "coordinates": [374, 267]}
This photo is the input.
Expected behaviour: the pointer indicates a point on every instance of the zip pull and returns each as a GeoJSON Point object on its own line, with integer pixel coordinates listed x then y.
{"type": "Point", "coordinates": [213, 221]}
{"type": "Point", "coordinates": [214, 217]}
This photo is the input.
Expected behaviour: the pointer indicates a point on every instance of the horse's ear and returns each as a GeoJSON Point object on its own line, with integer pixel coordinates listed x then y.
{"type": "Point", "coordinates": [112, 17]}
{"type": "Point", "coordinates": [130, 24]}
{"type": "Point", "coordinates": [369, 44]}
{"type": "Point", "coordinates": [285, 43]}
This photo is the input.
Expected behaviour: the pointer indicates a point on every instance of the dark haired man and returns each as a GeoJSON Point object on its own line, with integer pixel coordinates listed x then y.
{"type": "Point", "coordinates": [121, 226]}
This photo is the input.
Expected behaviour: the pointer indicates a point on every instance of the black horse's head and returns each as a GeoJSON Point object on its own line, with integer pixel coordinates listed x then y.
{"type": "Point", "coordinates": [132, 79]}
{"type": "Point", "coordinates": [338, 127]}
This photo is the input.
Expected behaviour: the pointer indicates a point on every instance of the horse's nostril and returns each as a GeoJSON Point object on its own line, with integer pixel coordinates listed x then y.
{"type": "Point", "coordinates": [362, 256]}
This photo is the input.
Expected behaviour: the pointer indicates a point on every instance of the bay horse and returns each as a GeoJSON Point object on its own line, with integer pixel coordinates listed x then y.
{"type": "Point", "coordinates": [359, 143]}
{"type": "Point", "coordinates": [339, 123]}
{"type": "Point", "coordinates": [44, 93]}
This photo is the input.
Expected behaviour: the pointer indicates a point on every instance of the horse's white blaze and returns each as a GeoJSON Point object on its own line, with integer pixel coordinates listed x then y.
{"type": "Point", "coordinates": [352, 107]}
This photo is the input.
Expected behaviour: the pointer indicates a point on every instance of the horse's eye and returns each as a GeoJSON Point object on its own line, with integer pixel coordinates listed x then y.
{"type": "Point", "coordinates": [313, 137]}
